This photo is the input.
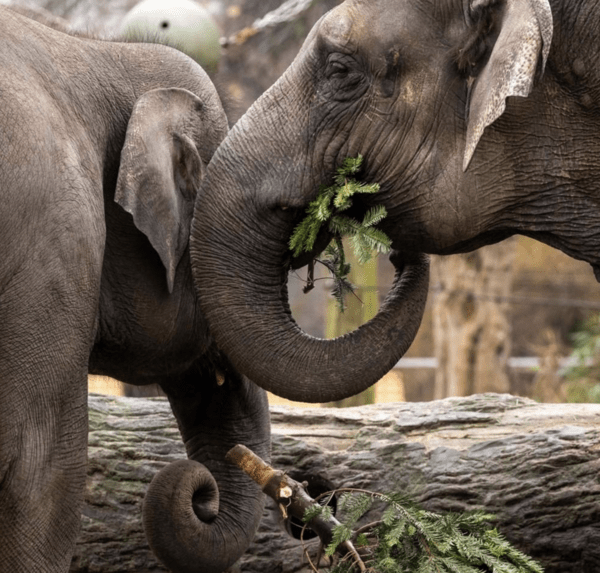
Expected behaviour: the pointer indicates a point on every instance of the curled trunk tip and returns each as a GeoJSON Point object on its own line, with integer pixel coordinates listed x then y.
{"type": "Point", "coordinates": [181, 521]}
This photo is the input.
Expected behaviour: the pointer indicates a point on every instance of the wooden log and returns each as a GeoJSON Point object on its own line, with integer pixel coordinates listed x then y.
{"type": "Point", "coordinates": [535, 466]}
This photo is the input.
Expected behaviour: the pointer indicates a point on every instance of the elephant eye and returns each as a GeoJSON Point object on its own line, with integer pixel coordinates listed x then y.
{"type": "Point", "coordinates": [339, 66]}
{"type": "Point", "coordinates": [345, 76]}
{"type": "Point", "coordinates": [337, 70]}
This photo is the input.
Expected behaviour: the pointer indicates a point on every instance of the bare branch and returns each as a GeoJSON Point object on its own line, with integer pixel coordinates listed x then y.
{"type": "Point", "coordinates": [290, 496]}
{"type": "Point", "coordinates": [287, 12]}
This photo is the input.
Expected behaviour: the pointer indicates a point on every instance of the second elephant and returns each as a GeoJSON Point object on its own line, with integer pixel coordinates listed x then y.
{"type": "Point", "coordinates": [102, 149]}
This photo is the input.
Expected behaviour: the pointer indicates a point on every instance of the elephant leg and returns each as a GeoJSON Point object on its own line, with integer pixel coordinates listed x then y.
{"type": "Point", "coordinates": [201, 514]}
{"type": "Point", "coordinates": [47, 319]}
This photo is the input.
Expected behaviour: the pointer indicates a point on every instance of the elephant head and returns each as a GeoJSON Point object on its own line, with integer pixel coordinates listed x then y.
{"type": "Point", "coordinates": [425, 91]}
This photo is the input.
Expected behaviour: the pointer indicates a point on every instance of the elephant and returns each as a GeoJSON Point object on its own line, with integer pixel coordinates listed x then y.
{"type": "Point", "coordinates": [479, 119]}
{"type": "Point", "coordinates": [102, 149]}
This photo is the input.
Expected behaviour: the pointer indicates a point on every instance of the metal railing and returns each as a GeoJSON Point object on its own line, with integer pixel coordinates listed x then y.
{"type": "Point", "coordinates": [520, 362]}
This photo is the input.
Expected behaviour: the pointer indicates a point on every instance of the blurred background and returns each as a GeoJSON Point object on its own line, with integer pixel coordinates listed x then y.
{"type": "Point", "coordinates": [515, 317]}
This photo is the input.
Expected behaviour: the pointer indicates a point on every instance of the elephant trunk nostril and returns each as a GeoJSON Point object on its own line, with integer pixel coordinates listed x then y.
{"type": "Point", "coordinates": [205, 504]}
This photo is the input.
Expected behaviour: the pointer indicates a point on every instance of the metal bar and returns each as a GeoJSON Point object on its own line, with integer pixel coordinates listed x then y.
{"type": "Point", "coordinates": [521, 362]}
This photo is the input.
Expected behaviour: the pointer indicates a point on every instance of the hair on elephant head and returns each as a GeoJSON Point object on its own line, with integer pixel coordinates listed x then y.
{"type": "Point", "coordinates": [104, 146]}
{"type": "Point", "coordinates": [479, 120]}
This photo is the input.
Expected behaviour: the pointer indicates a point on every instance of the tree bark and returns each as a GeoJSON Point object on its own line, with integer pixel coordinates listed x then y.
{"type": "Point", "coordinates": [471, 326]}
{"type": "Point", "coordinates": [535, 466]}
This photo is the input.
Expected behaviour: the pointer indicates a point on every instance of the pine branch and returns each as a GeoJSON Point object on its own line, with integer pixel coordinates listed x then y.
{"type": "Point", "coordinates": [365, 238]}
{"type": "Point", "coordinates": [406, 538]}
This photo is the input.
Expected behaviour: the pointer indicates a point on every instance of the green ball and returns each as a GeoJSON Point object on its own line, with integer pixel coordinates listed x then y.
{"type": "Point", "coordinates": [182, 24]}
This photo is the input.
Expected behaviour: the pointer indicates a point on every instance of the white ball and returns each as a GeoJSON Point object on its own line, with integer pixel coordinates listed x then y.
{"type": "Point", "coordinates": [183, 24]}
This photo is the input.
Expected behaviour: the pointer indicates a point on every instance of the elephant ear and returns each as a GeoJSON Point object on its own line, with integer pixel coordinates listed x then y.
{"type": "Point", "coordinates": [161, 170]}
{"type": "Point", "coordinates": [524, 39]}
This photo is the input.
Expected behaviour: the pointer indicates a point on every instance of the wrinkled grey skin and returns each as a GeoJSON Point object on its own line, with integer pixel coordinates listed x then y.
{"type": "Point", "coordinates": [102, 148]}
{"type": "Point", "coordinates": [418, 88]}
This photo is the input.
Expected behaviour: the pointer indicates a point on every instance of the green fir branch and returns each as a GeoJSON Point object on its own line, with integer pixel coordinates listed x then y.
{"type": "Point", "coordinates": [341, 533]}
{"type": "Point", "coordinates": [323, 511]}
{"type": "Point", "coordinates": [410, 539]}
{"type": "Point", "coordinates": [365, 238]}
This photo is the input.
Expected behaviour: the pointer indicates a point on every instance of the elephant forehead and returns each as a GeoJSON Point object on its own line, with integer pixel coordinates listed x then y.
{"type": "Point", "coordinates": [379, 26]}
{"type": "Point", "coordinates": [341, 25]}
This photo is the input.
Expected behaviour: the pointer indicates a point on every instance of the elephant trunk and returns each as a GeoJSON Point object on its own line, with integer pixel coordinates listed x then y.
{"type": "Point", "coordinates": [251, 198]}
{"type": "Point", "coordinates": [200, 514]}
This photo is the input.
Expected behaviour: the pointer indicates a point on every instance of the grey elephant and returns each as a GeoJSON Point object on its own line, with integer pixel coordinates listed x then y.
{"type": "Point", "coordinates": [479, 119]}
{"type": "Point", "coordinates": [102, 148]}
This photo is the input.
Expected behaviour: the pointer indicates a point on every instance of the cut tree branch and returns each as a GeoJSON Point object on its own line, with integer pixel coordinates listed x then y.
{"type": "Point", "coordinates": [290, 496]}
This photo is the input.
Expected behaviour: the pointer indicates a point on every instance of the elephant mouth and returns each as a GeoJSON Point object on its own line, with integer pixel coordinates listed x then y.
{"type": "Point", "coordinates": [307, 259]}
